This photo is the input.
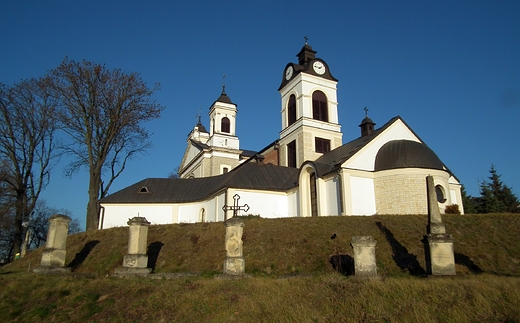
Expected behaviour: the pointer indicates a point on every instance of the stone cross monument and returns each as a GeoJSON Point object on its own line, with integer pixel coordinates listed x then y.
{"type": "Point", "coordinates": [234, 263]}
{"type": "Point", "coordinates": [364, 256]}
{"type": "Point", "coordinates": [440, 259]}
{"type": "Point", "coordinates": [135, 261]}
{"type": "Point", "coordinates": [53, 256]}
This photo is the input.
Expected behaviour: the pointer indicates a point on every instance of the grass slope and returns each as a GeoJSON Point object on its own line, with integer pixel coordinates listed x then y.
{"type": "Point", "coordinates": [291, 277]}
{"type": "Point", "coordinates": [482, 243]}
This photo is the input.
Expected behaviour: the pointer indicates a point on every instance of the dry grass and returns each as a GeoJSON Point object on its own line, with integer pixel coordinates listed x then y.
{"type": "Point", "coordinates": [291, 278]}
{"type": "Point", "coordinates": [322, 298]}
{"type": "Point", "coordinates": [482, 243]}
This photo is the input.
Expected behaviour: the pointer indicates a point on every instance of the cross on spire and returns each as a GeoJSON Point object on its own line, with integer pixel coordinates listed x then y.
{"type": "Point", "coordinates": [235, 206]}
{"type": "Point", "coordinates": [366, 111]}
{"type": "Point", "coordinates": [306, 39]}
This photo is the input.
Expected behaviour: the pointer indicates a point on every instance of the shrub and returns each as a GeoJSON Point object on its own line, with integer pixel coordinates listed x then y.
{"type": "Point", "coordinates": [452, 209]}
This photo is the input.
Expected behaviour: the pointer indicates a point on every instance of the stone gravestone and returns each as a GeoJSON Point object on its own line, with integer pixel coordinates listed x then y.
{"type": "Point", "coordinates": [440, 259]}
{"type": "Point", "coordinates": [135, 261]}
{"type": "Point", "coordinates": [364, 256]}
{"type": "Point", "coordinates": [234, 263]}
{"type": "Point", "coordinates": [53, 256]}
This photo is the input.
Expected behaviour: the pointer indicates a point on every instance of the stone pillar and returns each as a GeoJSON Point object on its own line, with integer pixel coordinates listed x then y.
{"type": "Point", "coordinates": [234, 263]}
{"type": "Point", "coordinates": [53, 256]}
{"type": "Point", "coordinates": [435, 224]}
{"type": "Point", "coordinates": [438, 245]}
{"type": "Point", "coordinates": [364, 256]}
{"type": "Point", "coordinates": [136, 258]}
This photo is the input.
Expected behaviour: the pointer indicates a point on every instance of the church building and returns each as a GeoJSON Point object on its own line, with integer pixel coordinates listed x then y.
{"type": "Point", "coordinates": [307, 171]}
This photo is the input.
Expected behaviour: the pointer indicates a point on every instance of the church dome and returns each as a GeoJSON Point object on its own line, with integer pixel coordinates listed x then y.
{"type": "Point", "coordinates": [406, 154]}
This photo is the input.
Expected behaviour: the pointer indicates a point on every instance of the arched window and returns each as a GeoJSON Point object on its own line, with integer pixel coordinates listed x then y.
{"type": "Point", "coordinates": [225, 125]}
{"type": "Point", "coordinates": [319, 106]}
{"type": "Point", "coordinates": [291, 110]}
{"type": "Point", "coordinates": [291, 154]}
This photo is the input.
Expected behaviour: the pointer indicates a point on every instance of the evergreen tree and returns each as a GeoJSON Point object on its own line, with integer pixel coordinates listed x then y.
{"type": "Point", "coordinates": [488, 202]}
{"type": "Point", "coordinates": [496, 197]}
{"type": "Point", "coordinates": [468, 201]}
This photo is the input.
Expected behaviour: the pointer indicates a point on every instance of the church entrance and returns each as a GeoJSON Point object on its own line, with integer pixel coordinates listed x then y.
{"type": "Point", "coordinates": [314, 197]}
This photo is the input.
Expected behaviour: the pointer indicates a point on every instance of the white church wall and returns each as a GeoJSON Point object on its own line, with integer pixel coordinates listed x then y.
{"type": "Point", "coordinates": [118, 215]}
{"type": "Point", "coordinates": [363, 196]}
{"type": "Point", "coordinates": [220, 202]}
{"type": "Point", "coordinates": [264, 203]}
{"type": "Point", "coordinates": [365, 159]}
{"type": "Point", "coordinates": [332, 199]}
{"type": "Point", "coordinates": [292, 203]}
{"type": "Point", "coordinates": [190, 212]}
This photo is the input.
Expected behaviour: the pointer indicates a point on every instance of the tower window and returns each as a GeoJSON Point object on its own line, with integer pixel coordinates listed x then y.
{"type": "Point", "coordinates": [322, 145]}
{"type": "Point", "coordinates": [291, 110]}
{"type": "Point", "coordinates": [319, 106]}
{"type": "Point", "coordinates": [291, 154]}
{"type": "Point", "coordinates": [225, 125]}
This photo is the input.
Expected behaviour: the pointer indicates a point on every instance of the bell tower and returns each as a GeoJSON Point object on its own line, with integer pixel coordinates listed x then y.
{"type": "Point", "coordinates": [222, 123]}
{"type": "Point", "coordinates": [309, 111]}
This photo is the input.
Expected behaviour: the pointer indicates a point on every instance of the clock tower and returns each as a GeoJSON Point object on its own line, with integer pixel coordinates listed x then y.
{"type": "Point", "coordinates": [309, 110]}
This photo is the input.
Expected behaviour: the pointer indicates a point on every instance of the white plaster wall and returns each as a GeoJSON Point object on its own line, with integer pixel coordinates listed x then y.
{"type": "Point", "coordinates": [190, 212]}
{"type": "Point", "coordinates": [292, 203]}
{"type": "Point", "coordinates": [365, 159]}
{"type": "Point", "coordinates": [118, 215]}
{"type": "Point", "coordinates": [453, 196]}
{"type": "Point", "coordinates": [221, 201]}
{"type": "Point", "coordinates": [331, 198]}
{"type": "Point", "coordinates": [363, 196]}
{"type": "Point", "coordinates": [266, 204]}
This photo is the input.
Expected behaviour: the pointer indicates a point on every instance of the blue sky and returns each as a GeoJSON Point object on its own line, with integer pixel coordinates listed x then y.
{"type": "Point", "coordinates": [450, 69]}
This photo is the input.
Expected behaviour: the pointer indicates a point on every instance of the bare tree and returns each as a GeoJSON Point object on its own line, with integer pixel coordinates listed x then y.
{"type": "Point", "coordinates": [39, 224]}
{"type": "Point", "coordinates": [26, 146]}
{"type": "Point", "coordinates": [102, 111]}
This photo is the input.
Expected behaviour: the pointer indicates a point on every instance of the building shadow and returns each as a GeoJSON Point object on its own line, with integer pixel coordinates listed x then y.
{"type": "Point", "coordinates": [153, 253]}
{"type": "Point", "coordinates": [344, 264]}
{"type": "Point", "coordinates": [464, 260]}
{"type": "Point", "coordinates": [403, 259]}
{"type": "Point", "coordinates": [82, 255]}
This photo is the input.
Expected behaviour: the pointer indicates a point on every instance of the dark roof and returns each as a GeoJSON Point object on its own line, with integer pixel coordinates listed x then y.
{"type": "Point", "coordinates": [172, 190]}
{"type": "Point", "coordinates": [223, 97]}
{"type": "Point", "coordinates": [404, 154]}
{"type": "Point", "coordinates": [248, 153]}
{"type": "Point", "coordinates": [306, 56]}
{"type": "Point", "coordinates": [365, 121]}
{"type": "Point", "coordinates": [201, 127]}
{"type": "Point", "coordinates": [332, 160]}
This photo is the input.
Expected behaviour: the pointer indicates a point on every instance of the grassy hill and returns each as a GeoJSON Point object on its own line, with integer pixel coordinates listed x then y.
{"type": "Point", "coordinates": [291, 274]}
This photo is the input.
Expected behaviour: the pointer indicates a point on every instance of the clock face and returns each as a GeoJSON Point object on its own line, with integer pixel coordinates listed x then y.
{"type": "Point", "coordinates": [318, 67]}
{"type": "Point", "coordinates": [288, 72]}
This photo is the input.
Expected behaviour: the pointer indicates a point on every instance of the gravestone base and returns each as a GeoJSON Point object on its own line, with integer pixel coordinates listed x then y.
{"type": "Point", "coordinates": [234, 266]}
{"type": "Point", "coordinates": [127, 271]}
{"type": "Point", "coordinates": [440, 258]}
{"type": "Point", "coordinates": [48, 270]}
{"type": "Point", "coordinates": [52, 257]}
{"type": "Point", "coordinates": [135, 261]}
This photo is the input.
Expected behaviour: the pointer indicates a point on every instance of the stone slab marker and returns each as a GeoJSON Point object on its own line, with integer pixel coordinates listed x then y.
{"type": "Point", "coordinates": [135, 261]}
{"type": "Point", "coordinates": [53, 256]}
{"type": "Point", "coordinates": [364, 256]}
{"type": "Point", "coordinates": [440, 258]}
{"type": "Point", "coordinates": [234, 263]}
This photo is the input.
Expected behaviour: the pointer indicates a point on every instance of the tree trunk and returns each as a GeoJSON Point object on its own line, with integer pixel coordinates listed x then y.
{"type": "Point", "coordinates": [18, 228]}
{"type": "Point", "coordinates": [92, 205]}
